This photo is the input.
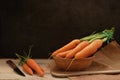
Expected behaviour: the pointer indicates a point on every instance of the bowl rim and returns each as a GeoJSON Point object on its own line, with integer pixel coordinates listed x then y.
{"type": "Point", "coordinates": [57, 57]}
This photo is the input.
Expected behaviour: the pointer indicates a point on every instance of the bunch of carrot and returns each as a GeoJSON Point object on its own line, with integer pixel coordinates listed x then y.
{"type": "Point", "coordinates": [30, 65]}
{"type": "Point", "coordinates": [84, 47]}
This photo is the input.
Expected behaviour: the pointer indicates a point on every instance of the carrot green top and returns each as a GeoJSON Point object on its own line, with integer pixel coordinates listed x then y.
{"type": "Point", "coordinates": [23, 59]}
{"type": "Point", "coordinates": [105, 35]}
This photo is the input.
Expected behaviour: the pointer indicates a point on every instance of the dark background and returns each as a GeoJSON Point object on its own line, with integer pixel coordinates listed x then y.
{"type": "Point", "coordinates": [49, 24]}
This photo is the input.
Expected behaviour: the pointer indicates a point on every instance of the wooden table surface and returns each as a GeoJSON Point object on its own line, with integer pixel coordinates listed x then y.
{"type": "Point", "coordinates": [7, 73]}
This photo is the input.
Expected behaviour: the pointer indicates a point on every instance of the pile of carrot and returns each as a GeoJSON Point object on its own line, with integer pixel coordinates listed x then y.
{"type": "Point", "coordinates": [30, 65]}
{"type": "Point", "coordinates": [84, 47]}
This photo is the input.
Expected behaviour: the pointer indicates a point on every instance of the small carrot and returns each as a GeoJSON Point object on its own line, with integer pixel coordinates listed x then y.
{"type": "Point", "coordinates": [27, 69]}
{"type": "Point", "coordinates": [63, 54]}
{"type": "Point", "coordinates": [79, 47]}
{"type": "Point", "coordinates": [41, 68]}
{"type": "Point", "coordinates": [68, 46]}
{"type": "Point", "coordinates": [32, 63]}
{"type": "Point", "coordinates": [90, 49]}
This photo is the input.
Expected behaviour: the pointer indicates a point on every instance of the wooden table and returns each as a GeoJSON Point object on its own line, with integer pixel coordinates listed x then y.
{"type": "Point", "coordinates": [6, 72]}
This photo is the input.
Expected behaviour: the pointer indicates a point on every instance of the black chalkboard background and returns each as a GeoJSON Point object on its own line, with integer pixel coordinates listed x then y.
{"type": "Point", "coordinates": [50, 24]}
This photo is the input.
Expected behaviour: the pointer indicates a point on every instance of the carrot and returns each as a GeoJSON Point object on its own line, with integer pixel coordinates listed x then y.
{"type": "Point", "coordinates": [100, 35]}
{"type": "Point", "coordinates": [32, 63]}
{"type": "Point", "coordinates": [79, 47]}
{"type": "Point", "coordinates": [63, 54]}
{"type": "Point", "coordinates": [90, 49]}
{"type": "Point", "coordinates": [41, 68]}
{"type": "Point", "coordinates": [66, 47]}
{"type": "Point", "coordinates": [27, 69]}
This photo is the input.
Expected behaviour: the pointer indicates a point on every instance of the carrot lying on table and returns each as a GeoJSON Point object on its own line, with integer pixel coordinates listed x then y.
{"type": "Point", "coordinates": [79, 47]}
{"type": "Point", "coordinates": [89, 50]}
{"type": "Point", "coordinates": [29, 63]}
{"type": "Point", "coordinates": [68, 46]}
{"type": "Point", "coordinates": [32, 63]}
{"type": "Point", "coordinates": [27, 69]}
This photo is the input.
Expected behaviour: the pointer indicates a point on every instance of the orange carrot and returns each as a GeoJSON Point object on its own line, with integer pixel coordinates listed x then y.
{"type": "Point", "coordinates": [90, 49]}
{"type": "Point", "coordinates": [41, 68]}
{"type": "Point", "coordinates": [79, 47]}
{"type": "Point", "coordinates": [63, 54]}
{"type": "Point", "coordinates": [27, 69]}
{"type": "Point", "coordinates": [68, 46]}
{"type": "Point", "coordinates": [32, 63]}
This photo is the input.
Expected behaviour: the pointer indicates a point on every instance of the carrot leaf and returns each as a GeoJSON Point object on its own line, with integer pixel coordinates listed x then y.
{"type": "Point", "coordinates": [107, 34]}
{"type": "Point", "coordinates": [26, 56]}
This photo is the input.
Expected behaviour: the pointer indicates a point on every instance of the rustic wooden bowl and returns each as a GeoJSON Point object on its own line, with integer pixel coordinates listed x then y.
{"type": "Point", "coordinates": [77, 64]}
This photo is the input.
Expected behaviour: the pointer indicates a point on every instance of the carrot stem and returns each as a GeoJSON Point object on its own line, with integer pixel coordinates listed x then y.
{"type": "Point", "coordinates": [104, 34]}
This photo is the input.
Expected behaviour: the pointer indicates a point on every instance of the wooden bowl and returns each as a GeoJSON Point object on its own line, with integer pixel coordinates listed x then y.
{"type": "Point", "coordinates": [76, 64]}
